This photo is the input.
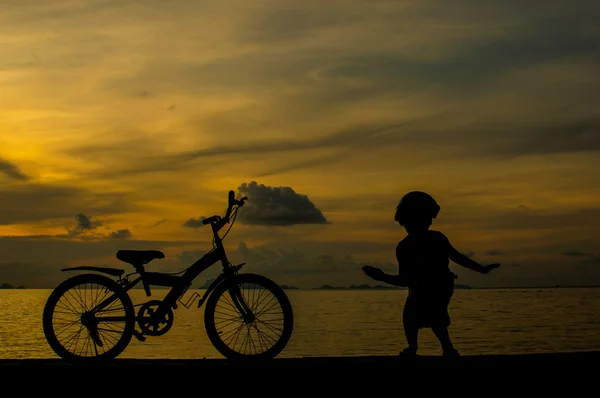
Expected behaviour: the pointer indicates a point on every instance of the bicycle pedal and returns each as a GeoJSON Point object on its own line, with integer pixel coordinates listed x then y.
{"type": "Point", "coordinates": [139, 336]}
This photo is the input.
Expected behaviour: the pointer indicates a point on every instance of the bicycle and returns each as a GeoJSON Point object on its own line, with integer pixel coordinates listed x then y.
{"type": "Point", "coordinates": [155, 317]}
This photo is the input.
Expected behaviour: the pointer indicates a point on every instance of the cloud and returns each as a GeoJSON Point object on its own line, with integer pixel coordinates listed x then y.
{"type": "Point", "coordinates": [330, 82]}
{"type": "Point", "coordinates": [541, 219]}
{"type": "Point", "coordinates": [303, 267]}
{"type": "Point", "coordinates": [83, 224]}
{"type": "Point", "coordinates": [12, 171]}
{"type": "Point", "coordinates": [153, 159]}
{"type": "Point", "coordinates": [590, 257]}
{"type": "Point", "coordinates": [156, 224]}
{"type": "Point", "coordinates": [277, 206]}
{"type": "Point", "coordinates": [120, 234]}
{"type": "Point", "coordinates": [35, 261]}
{"type": "Point", "coordinates": [35, 274]}
{"type": "Point", "coordinates": [575, 253]}
{"type": "Point", "coordinates": [556, 137]}
{"type": "Point", "coordinates": [494, 252]}
{"type": "Point", "coordinates": [36, 202]}
{"type": "Point", "coordinates": [353, 102]}
{"type": "Point", "coordinates": [294, 261]}
{"type": "Point", "coordinates": [194, 222]}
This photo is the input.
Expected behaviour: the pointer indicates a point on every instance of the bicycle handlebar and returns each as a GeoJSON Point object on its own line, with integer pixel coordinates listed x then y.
{"type": "Point", "coordinates": [219, 222]}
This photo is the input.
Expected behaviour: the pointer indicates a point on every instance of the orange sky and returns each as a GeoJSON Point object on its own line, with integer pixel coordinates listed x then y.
{"type": "Point", "coordinates": [142, 116]}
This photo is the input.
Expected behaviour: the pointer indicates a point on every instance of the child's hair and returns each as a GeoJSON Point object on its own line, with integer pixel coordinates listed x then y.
{"type": "Point", "coordinates": [416, 204]}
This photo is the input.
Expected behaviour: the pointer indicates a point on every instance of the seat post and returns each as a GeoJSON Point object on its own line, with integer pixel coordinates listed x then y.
{"type": "Point", "coordinates": [142, 270]}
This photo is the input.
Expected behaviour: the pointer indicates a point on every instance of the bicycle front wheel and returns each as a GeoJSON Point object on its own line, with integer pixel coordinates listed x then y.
{"type": "Point", "coordinates": [262, 335]}
{"type": "Point", "coordinates": [77, 330]}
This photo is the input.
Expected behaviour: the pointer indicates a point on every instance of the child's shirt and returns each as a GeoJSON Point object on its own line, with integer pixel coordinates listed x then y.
{"type": "Point", "coordinates": [423, 258]}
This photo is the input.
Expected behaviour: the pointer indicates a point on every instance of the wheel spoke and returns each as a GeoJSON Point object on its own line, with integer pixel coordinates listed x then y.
{"type": "Point", "coordinates": [67, 320]}
{"type": "Point", "coordinates": [233, 335]}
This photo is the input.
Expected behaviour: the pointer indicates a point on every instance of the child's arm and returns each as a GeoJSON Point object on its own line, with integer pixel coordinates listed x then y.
{"type": "Point", "coordinates": [395, 280]}
{"type": "Point", "coordinates": [468, 263]}
{"type": "Point", "coordinates": [379, 275]}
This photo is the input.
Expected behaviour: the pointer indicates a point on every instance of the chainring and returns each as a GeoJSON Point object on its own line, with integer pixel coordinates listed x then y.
{"type": "Point", "coordinates": [152, 327]}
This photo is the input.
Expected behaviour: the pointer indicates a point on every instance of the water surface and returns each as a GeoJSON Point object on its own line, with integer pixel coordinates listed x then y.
{"type": "Point", "coordinates": [352, 322]}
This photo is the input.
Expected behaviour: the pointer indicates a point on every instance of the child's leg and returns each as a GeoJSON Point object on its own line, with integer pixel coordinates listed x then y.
{"type": "Point", "coordinates": [441, 332]}
{"type": "Point", "coordinates": [440, 329]}
{"type": "Point", "coordinates": [411, 329]}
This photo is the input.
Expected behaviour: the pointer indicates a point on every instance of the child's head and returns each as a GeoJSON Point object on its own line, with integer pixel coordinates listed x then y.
{"type": "Point", "coordinates": [416, 211]}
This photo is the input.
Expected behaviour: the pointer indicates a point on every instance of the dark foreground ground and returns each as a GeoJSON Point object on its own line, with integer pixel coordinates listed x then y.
{"type": "Point", "coordinates": [577, 371]}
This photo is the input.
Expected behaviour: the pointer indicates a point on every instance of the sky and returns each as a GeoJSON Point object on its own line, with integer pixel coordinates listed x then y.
{"type": "Point", "coordinates": [122, 124]}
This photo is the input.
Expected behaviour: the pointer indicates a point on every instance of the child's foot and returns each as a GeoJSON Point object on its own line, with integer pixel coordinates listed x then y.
{"type": "Point", "coordinates": [450, 352]}
{"type": "Point", "coordinates": [409, 352]}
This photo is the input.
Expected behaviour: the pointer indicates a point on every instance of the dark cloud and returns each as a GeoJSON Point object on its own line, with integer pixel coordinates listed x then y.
{"type": "Point", "coordinates": [411, 136]}
{"type": "Point", "coordinates": [156, 224]}
{"type": "Point", "coordinates": [33, 202]}
{"type": "Point", "coordinates": [590, 257]}
{"type": "Point", "coordinates": [152, 158]}
{"type": "Point", "coordinates": [296, 265]}
{"type": "Point", "coordinates": [356, 136]}
{"type": "Point", "coordinates": [120, 234]}
{"type": "Point", "coordinates": [536, 219]}
{"type": "Point", "coordinates": [494, 252]}
{"type": "Point", "coordinates": [290, 22]}
{"type": "Point", "coordinates": [35, 261]}
{"type": "Point", "coordinates": [85, 228]}
{"type": "Point", "coordinates": [575, 253]}
{"type": "Point", "coordinates": [188, 257]}
{"type": "Point", "coordinates": [312, 162]}
{"type": "Point", "coordinates": [83, 224]}
{"type": "Point", "coordinates": [472, 67]}
{"type": "Point", "coordinates": [12, 171]}
{"type": "Point", "coordinates": [280, 206]}
{"type": "Point", "coordinates": [292, 262]}
{"type": "Point", "coordinates": [35, 274]}
{"type": "Point", "coordinates": [571, 136]}
{"type": "Point", "coordinates": [194, 222]}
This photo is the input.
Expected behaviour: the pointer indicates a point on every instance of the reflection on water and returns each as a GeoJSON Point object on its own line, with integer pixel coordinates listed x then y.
{"type": "Point", "coordinates": [332, 323]}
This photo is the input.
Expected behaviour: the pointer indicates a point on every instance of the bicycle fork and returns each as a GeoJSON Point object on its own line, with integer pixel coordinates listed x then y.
{"type": "Point", "coordinates": [240, 304]}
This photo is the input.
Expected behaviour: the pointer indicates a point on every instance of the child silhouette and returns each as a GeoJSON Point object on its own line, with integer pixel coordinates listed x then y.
{"type": "Point", "coordinates": [423, 260]}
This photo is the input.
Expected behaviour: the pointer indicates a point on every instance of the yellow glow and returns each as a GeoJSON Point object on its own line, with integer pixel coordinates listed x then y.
{"type": "Point", "coordinates": [129, 88]}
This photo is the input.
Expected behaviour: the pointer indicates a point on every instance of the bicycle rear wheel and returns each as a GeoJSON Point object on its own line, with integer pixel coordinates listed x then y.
{"type": "Point", "coordinates": [263, 336]}
{"type": "Point", "coordinates": [78, 335]}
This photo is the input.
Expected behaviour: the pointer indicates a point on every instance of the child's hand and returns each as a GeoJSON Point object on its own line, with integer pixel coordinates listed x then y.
{"type": "Point", "coordinates": [488, 268]}
{"type": "Point", "coordinates": [373, 272]}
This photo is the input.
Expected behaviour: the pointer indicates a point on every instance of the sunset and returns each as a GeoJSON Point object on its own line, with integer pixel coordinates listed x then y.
{"type": "Point", "coordinates": [140, 117]}
{"type": "Point", "coordinates": [123, 125]}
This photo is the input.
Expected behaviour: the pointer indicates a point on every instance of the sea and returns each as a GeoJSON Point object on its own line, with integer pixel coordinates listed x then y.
{"type": "Point", "coordinates": [353, 323]}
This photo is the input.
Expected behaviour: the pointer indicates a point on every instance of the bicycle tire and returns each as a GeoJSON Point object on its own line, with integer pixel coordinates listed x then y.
{"type": "Point", "coordinates": [282, 300]}
{"type": "Point", "coordinates": [50, 309]}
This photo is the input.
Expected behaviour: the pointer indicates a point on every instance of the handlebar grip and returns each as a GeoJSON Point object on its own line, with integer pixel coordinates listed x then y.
{"type": "Point", "coordinates": [231, 196]}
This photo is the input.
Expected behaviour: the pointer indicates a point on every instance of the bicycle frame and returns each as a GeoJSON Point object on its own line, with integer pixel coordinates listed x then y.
{"type": "Point", "coordinates": [180, 284]}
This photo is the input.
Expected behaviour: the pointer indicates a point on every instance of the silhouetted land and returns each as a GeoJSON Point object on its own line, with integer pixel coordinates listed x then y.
{"type": "Point", "coordinates": [9, 286]}
{"type": "Point", "coordinates": [209, 281]}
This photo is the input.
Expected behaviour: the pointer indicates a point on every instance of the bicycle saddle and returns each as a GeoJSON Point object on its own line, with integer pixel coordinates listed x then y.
{"type": "Point", "coordinates": [138, 257]}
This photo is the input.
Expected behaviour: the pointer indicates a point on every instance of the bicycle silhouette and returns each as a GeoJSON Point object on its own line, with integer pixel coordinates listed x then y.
{"type": "Point", "coordinates": [106, 322]}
